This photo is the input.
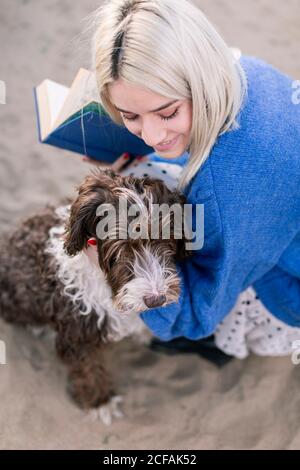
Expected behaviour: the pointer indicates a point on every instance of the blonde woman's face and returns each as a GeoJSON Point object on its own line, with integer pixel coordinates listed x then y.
{"type": "Point", "coordinates": [162, 123]}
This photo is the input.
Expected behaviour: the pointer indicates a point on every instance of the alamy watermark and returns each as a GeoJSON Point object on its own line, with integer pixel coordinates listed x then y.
{"type": "Point", "coordinates": [2, 92]}
{"type": "Point", "coordinates": [296, 352]}
{"type": "Point", "coordinates": [2, 353]}
{"type": "Point", "coordinates": [154, 222]}
{"type": "Point", "coordinates": [296, 93]}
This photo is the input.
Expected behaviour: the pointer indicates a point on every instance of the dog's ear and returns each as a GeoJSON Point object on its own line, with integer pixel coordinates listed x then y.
{"type": "Point", "coordinates": [176, 197]}
{"type": "Point", "coordinates": [161, 194]}
{"type": "Point", "coordinates": [94, 191]}
{"type": "Point", "coordinates": [182, 253]}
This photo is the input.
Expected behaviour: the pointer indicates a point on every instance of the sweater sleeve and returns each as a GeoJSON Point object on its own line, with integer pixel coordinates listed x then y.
{"type": "Point", "coordinates": [204, 283]}
{"type": "Point", "coordinates": [197, 312]}
{"type": "Point", "coordinates": [247, 242]}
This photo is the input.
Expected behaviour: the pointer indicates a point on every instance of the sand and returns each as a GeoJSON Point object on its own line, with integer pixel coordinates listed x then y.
{"type": "Point", "coordinates": [171, 402]}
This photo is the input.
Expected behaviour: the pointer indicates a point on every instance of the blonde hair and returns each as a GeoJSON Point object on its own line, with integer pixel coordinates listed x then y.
{"type": "Point", "coordinates": [170, 46]}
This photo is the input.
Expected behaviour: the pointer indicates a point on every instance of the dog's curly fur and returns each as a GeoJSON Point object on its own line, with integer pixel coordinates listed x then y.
{"type": "Point", "coordinates": [32, 293]}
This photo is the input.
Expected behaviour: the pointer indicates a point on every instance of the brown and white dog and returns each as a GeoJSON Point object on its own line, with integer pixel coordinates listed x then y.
{"type": "Point", "coordinates": [56, 271]}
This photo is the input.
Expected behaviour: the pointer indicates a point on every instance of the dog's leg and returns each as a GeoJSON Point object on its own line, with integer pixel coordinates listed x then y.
{"type": "Point", "coordinates": [79, 345]}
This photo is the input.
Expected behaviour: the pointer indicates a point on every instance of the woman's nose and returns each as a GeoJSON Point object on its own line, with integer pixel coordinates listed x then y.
{"type": "Point", "coordinates": [152, 136]}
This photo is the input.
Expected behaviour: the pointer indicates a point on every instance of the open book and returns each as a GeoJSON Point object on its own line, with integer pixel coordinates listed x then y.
{"type": "Point", "coordinates": [73, 119]}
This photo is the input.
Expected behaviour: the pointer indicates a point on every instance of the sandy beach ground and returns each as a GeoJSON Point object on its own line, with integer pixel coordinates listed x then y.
{"type": "Point", "coordinates": [172, 402]}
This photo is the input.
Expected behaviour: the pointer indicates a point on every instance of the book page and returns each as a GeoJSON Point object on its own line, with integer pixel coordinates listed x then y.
{"type": "Point", "coordinates": [83, 91]}
{"type": "Point", "coordinates": [57, 95]}
{"type": "Point", "coordinates": [50, 98]}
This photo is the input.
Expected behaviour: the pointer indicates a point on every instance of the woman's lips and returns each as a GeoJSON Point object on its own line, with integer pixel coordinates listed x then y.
{"type": "Point", "coordinates": [161, 148]}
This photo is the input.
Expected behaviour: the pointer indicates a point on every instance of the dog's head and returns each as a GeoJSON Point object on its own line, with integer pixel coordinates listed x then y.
{"type": "Point", "coordinates": [137, 225]}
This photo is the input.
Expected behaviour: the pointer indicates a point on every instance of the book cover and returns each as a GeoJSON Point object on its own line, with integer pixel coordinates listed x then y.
{"type": "Point", "coordinates": [88, 131]}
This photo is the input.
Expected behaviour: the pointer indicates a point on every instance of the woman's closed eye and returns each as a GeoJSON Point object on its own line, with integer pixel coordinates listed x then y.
{"type": "Point", "coordinates": [164, 118]}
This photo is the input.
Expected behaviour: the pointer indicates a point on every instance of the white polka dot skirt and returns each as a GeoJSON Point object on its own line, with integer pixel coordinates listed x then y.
{"type": "Point", "coordinates": [169, 173]}
{"type": "Point", "coordinates": [250, 327]}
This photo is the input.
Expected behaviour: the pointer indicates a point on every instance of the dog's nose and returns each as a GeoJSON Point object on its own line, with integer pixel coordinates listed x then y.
{"type": "Point", "coordinates": [154, 300]}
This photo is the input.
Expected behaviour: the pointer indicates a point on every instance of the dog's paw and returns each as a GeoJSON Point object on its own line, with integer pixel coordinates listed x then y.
{"type": "Point", "coordinates": [106, 413]}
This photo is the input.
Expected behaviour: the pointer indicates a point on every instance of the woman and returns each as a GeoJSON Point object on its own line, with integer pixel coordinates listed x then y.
{"type": "Point", "coordinates": [166, 74]}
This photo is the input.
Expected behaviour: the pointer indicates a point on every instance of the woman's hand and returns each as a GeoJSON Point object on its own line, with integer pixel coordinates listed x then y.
{"type": "Point", "coordinates": [116, 166]}
{"type": "Point", "coordinates": [92, 161]}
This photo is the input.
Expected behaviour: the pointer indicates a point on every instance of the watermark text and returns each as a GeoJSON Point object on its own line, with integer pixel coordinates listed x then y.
{"type": "Point", "coordinates": [2, 92]}
{"type": "Point", "coordinates": [2, 353]}
{"type": "Point", "coordinates": [154, 222]}
{"type": "Point", "coordinates": [296, 352]}
{"type": "Point", "coordinates": [296, 93]}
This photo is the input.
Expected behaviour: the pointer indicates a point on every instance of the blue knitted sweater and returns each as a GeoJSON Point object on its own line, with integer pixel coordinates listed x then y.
{"type": "Point", "coordinates": [250, 188]}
